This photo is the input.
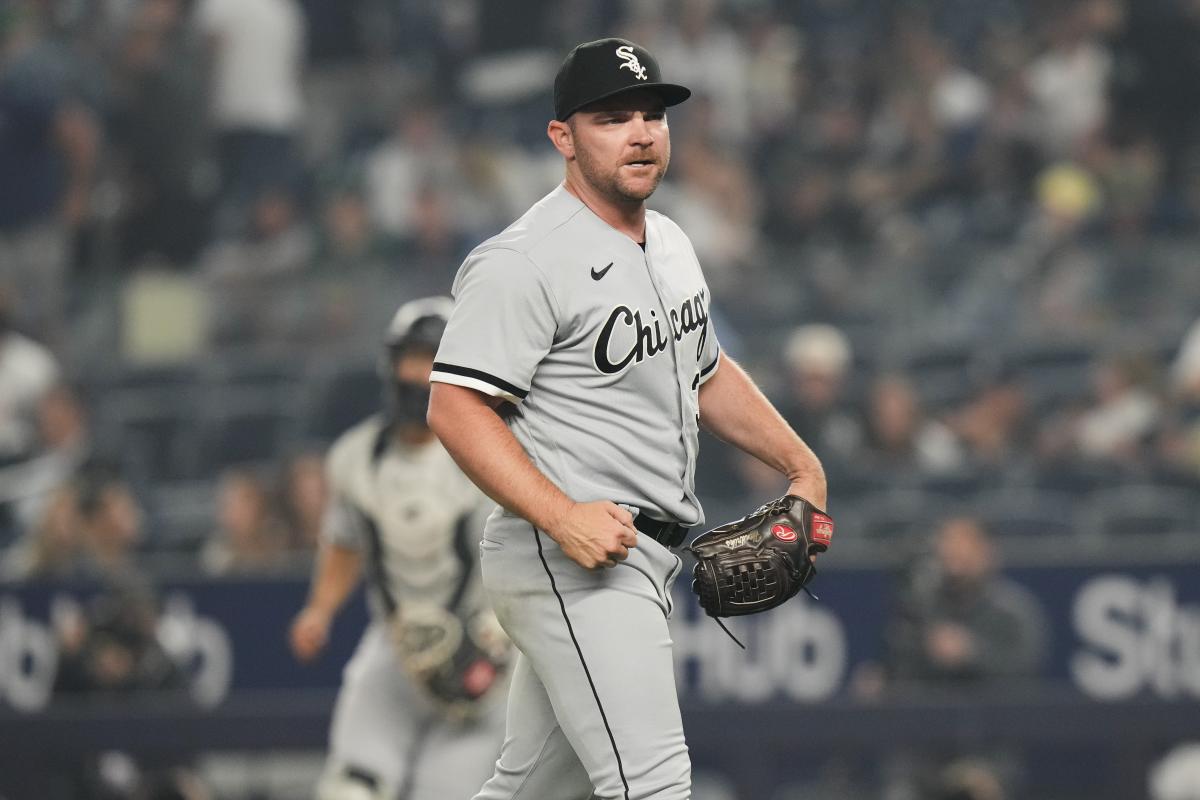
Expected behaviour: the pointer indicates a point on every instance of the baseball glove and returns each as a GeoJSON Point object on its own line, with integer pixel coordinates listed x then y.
{"type": "Point", "coordinates": [457, 661]}
{"type": "Point", "coordinates": [762, 560]}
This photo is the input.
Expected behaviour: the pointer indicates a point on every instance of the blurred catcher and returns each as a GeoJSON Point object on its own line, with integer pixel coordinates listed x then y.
{"type": "Point", "coordinates": [420, 715]}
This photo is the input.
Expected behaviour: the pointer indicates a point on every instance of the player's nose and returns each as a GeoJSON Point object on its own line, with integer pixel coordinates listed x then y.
{"type": "Point", "coordinates": [639, 131]}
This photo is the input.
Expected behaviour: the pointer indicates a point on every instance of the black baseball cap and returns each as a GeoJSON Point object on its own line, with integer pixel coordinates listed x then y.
{"type": "Point", "coordinates": [605, 67]}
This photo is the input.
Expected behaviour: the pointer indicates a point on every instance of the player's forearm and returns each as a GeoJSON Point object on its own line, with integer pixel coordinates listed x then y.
{"type": "Point", "coordinates": [734, 410]}
{"type": "Point", "coordinates": [485, 449]}
{"type": "Point", "coordinates": [337, 573]}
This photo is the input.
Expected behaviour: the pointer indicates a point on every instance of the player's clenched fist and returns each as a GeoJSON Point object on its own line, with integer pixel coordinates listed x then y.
{"type": "Point", "coordinates": [596, 534]}
{"type": "Point", "coordinates": [310, 632]}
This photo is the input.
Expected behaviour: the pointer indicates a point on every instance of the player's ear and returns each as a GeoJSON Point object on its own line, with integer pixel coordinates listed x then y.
{"type": "Point", "coordinates": [562, 137]}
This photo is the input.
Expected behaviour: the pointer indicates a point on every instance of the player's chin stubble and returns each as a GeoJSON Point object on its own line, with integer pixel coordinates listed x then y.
{"type": "Point", "coordinates": [612, 185]}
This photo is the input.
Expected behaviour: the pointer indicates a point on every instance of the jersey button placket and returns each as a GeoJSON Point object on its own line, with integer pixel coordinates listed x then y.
{"type": "Point", "coordinates": [687, 421]}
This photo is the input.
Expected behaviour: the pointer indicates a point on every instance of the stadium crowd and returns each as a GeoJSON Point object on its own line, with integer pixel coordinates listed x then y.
{"type": "Point", "coordinates": [954, 240]}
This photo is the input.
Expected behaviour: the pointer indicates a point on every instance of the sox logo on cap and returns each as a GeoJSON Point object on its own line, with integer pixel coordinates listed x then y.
{"type": "Point", "coordinates": [626, 54]}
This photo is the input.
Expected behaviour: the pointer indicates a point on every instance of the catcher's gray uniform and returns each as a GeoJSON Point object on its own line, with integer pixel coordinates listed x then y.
{"type": "Point", "coordinates": [417, 520]}
{"type": "Point", "coordinates": [601, 348]}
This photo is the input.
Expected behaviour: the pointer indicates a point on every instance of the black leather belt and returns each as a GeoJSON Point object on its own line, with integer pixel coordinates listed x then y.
{"type": "Point", "coordinates": [668, 534]}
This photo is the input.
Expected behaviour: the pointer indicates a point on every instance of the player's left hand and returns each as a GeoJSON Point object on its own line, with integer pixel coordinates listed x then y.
{"type": "Point", "coordinates": [310, 633]}
{"type": "Point", "coordinates": [812, 488]}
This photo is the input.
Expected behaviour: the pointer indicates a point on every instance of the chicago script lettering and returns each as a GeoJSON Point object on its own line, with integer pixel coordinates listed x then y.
{"type": "Point", "coordinates": [649, 338]}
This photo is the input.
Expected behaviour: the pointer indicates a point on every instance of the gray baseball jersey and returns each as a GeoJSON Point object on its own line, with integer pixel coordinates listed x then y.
{"type": "Point", "coordinates": [601, 346]}
{"type": "Point", "coordinates": [417, 520]}
{"type": "Point", "coordinates": [416, 517]}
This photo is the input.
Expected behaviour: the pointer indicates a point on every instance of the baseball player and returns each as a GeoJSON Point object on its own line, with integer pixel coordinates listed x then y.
{"type": "Point", "coordinates": [420, 713]}
{"type": "Point", "coordinates": [577, 367]}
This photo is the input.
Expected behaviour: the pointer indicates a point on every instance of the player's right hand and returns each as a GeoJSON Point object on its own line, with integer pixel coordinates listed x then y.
{"type": "Point", "coordinates": [310, 632]}
{"type": "Point", "coordinates": [597, 534]}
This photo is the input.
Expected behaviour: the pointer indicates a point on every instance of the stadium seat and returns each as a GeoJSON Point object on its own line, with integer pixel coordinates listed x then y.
{"type": "Point", "coordinates": [1055, 373]}
{"type": "Point", "coordinates": [153, 432]}
{"type": "Point", "coordinates": [903, 513]}
{"type": "Point", "coordinates": [340, 397]}
{"type": "Point", "coordinates": [1141, 509]}
{"type": "Point", "coordinates": [245, 426]}
{"type": "Point", "coordinates": [1013, 512]}
{"type": "Point", "coordinates": [941, 374]}
{"type": "Point", "coordinates": [253, 371]}
{"type": "Point", "coordinates": [183, 514]}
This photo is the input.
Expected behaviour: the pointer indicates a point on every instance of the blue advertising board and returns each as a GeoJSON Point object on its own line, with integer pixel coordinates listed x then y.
{"type": "Point", "coordinates": [1116, 634]}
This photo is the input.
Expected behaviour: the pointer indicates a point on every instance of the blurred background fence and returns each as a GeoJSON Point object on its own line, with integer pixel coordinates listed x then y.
{"type": "Point", "coordinates": [956, 241]}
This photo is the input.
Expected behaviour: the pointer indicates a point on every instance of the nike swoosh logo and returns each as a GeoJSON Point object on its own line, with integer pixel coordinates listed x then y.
{"type": "Point", "coordinates": [598, 274]}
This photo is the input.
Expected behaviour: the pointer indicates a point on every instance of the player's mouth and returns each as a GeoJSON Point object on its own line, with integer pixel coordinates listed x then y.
{"type": "Point", "coordinates": [641, 163]}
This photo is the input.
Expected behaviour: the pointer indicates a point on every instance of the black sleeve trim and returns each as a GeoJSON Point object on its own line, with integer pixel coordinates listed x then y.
{"type": "Point", "coordinates": [480, 375]}
{"type": "Point", "coordinates": [711, 366]}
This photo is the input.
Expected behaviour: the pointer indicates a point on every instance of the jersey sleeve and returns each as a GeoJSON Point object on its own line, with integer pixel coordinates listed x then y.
{"type": "Point", "coordinates": [343, 522]}
{"type": "Point", "coordinates": [343, 525]}
{"type": "Point", "coordinates": [502, 326]}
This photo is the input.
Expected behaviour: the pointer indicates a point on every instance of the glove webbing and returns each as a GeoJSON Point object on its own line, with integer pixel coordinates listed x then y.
{"type": "Point", "coordinates": [738, 641]}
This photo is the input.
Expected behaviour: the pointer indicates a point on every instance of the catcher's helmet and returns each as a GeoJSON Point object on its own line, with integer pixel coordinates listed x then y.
{"type": "Point", "coordinates": [417, 325]}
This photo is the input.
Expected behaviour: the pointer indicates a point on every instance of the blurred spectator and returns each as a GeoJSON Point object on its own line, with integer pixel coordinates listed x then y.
{"type": "Point", "coordinates": [1129, 165]}
{"type": "Point", "coordinates": [774, 75]}
{"type": "Point", "coordinates": [349, 240]}
{"type": "Point", "coordinates": [1157, 83]}
{"type": "Point", "coordinates": [994, 425]}
{"type": "Point", "coordinates": [49, 143]}
{"type": "Point", "coordinates": [1068, 83]}
{"type": "Point", "coordinates": [257, 100]}
{"type": "Point", "coordinates": [178, 783]}
{"type": "Point", "coordinates": [418, 154]}
{"type": "Point", "coordinates": [702, 52]}
{"type": "Point", "coordinates": [111, 647]}
{"type": "Point", "coordinates": [898, 435]}
{"type": "Point", "coordinates": [958, 625]}
{"type": "Point", "coordinates": [276, 243]}
{"type": "Point", "coordinates": [959, 621]}
{"type": "Point", "coordinates": [64, 445]}
{"type": "Point", "coordinates": [249, 537]}
{"type": "Point", "coordinates": [1118, 424]}
{"type": "Point", "coordinates": [37, 447]}
{"type": "Point", "coordinates": [817, 360]}
{"type": "Point", "coordinates": [112, 524]}
{"type": "Point", "coordinates": [969, 779]}
{"type": "Point", "coordinates": [257, 277]}
{"type": "Point", "coordinates": [53, 547]}
{"type": "Point", "coordinates": [28, 374]}
{"type": "Point", "coordinates": [1179, 442]}
{"type": "Point", "coordinates": [958, 102]}
{"type": "Point", "coordinates": [305, 497]}
{"type": "Point", "coordinates": [160, 134]}
{"type": "Point", "coordinates": [436, 242]}
{"type": "Point", "coordinates": [118, 775]}
{"type": "Point", "coordinates": [713, 196]}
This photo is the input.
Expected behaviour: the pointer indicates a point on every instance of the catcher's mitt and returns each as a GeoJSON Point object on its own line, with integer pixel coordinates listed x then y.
{"type": "Point", "coordinates": [456, 661]}
{"type": "Point", "coordinates": [761, 560]}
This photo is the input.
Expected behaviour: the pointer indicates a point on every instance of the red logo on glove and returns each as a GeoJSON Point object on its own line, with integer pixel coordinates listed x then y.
{"type": "Point", "coordinates": [478, 678]}
{"type": "Point", "coordinates": [822, 529]}
{"type": "Point", "coordinates": [783, 533]}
